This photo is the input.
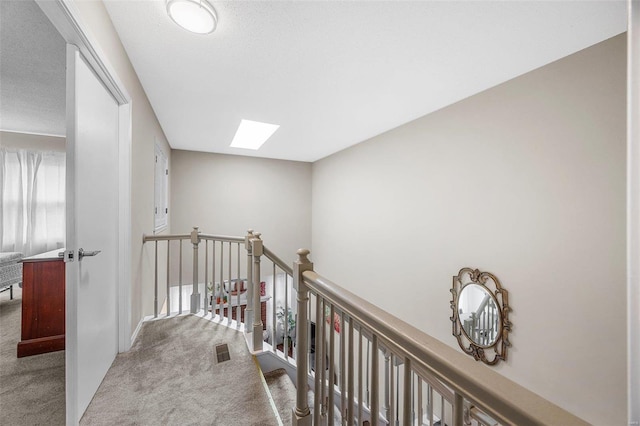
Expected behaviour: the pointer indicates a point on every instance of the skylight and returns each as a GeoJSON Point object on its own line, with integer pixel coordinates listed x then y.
{"type": "Point", "coordinates": [252, 134]}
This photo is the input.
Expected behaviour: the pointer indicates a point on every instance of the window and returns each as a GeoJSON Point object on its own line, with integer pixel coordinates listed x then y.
{"type": "Point", "coordinates": [32, 200]}
{"type": "Point", "coordinates": [161, 204]}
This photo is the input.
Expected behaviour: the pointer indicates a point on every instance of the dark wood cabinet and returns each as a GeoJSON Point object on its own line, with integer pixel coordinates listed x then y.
{"type": "Point", "coordinates": [43, 304]}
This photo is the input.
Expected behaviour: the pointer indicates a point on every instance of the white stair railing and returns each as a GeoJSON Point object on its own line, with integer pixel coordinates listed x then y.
{"type": "Point", "coordinates": [381, 370]}
{"type": "Point", "coordinates": [364, 365]}
{"type": "Point", "coordinates": [220, 263]}
{"type": "Point", "coordinates": [232, 289]}
{"type": "Point", "coordinates": [283, 309]}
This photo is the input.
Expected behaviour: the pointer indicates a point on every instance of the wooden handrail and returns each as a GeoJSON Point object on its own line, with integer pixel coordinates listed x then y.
{"type": "Point", "coordinates": [275, 259]}
{"type": "Point", "coordinates": [499, 397]}
{"type": "Point", "coordinates": [224, 238]}
{"type": "Point", "coordinates": [456, 377]}
{"type": "Point", "coordinates": [149, 238]}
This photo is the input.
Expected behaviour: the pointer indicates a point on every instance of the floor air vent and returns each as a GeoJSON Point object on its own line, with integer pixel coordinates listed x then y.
{"type": "Point", "coordinates": [222, 353]}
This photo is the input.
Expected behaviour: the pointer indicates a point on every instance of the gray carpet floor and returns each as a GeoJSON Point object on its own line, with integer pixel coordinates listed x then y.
{"type": "Point", "coordinates": [171, 376]}
{"type": "Point", "coordinates": [31, 388]}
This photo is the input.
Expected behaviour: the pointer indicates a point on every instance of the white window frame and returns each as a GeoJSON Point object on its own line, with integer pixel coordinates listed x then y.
{"type": "Point", "coordinates": [161, 192]}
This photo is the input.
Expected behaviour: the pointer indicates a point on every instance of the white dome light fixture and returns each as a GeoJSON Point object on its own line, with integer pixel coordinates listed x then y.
{"type": "Point", "coordinates": [197, 16]}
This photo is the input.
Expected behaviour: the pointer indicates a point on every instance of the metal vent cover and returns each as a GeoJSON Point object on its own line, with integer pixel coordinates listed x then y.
{"type": "Point", "coordinates": [222, 353]}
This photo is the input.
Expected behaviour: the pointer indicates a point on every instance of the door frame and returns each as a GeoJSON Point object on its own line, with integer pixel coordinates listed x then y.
{"type": "Point", "coordinates": [633, 214]}
{"type": "Point", "coordinates": [66, 18]}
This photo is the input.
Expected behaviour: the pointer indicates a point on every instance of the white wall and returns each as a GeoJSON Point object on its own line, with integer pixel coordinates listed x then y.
{"type": "Point", "coordinates": [226, 195]}
{"type": "Point", "coordinates": [145, 130]}
{"type": "Point", "coordinates": [525, 180]}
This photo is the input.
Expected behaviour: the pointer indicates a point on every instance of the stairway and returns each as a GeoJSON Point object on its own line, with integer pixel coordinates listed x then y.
{"type": "Point", "coordinates": [283, 393]}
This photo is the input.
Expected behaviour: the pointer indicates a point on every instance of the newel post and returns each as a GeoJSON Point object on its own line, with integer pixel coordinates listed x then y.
{"type": "Point", "coordinates": [301, 416]}
{"type": "Point", "coordinates": [257, 251]}
{"type": "Point", "coordinates": [248, 313]}
{"type": "Point", "coordinates": [195, 294]}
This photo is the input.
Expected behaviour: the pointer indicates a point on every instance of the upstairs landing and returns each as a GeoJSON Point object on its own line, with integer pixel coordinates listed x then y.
{"type": "Point", "coordinates": [172, 376]}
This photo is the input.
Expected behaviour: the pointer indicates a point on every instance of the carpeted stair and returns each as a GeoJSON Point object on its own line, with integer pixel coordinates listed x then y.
{"type": "Point", "coordinates": [283, 393]}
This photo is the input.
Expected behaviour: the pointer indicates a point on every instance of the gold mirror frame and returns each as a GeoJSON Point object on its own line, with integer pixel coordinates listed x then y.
{"type": "Point", "coordinates": [500, 296]}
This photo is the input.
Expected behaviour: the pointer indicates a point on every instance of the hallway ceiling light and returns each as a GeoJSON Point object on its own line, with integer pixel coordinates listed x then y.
{"type": "Point", "coordinates": [252, 134]}
{"type": "Point", "coordinates": [197, 16]}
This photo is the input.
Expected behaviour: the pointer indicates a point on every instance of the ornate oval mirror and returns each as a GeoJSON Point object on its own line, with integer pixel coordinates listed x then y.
{"type": "Point", "coordinates": [480, 315]}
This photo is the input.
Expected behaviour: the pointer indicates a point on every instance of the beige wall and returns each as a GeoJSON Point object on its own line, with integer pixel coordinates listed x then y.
{"type": "Point", "coordinates": [31, 141]}
{"type": "Point", "coordinates": [226, 195]}
{"type": "Point", "coordinates": [525, 180]}
{"type": "Point", "coordinates": [146, 130]}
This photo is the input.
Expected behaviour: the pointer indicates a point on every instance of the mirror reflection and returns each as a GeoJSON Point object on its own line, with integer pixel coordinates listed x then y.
{"type": "Point", "coordinates": [479, 315]}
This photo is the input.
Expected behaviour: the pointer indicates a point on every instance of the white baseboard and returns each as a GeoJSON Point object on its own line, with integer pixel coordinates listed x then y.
{"type": "Point", "coordinates": [134, 335]}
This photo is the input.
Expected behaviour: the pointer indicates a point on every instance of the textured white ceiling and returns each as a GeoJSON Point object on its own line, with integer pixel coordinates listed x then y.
{"type": "Point", "coordinates": [32, 71]}
{"type": "Point", "coordinates": [335, 73]}
{"type": "Point", "coordinates": [332, 74]}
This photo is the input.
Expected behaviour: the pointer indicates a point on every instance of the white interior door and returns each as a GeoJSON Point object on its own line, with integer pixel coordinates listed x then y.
{"type": "Point", "coordinates": [92, 224]}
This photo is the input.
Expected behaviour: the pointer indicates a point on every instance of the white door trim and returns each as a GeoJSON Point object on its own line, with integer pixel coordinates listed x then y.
{"type": "Point", "coordinates": [633, 213]}
{"type": "Point", "coordinates": [124, 173]}
{"type": "Point", "coordinates": [66, 18]}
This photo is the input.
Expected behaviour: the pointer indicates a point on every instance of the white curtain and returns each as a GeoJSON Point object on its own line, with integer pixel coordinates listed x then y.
{"type": "Point", "coordinates": [32, 201]}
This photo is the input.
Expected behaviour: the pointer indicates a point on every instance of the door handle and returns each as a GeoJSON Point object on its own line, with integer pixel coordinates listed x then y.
{"type": "Point", "coordinates": [82, 253]}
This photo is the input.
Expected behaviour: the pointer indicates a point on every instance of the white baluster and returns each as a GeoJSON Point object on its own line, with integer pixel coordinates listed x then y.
{"type": "Point", "coordinates": [239, 285]}
{"type": "Point", "coordinates": [274, 329]}
{"type": "Point", "coordinates": [214, 287]}
{"type": "Point", "coordinates": [229, 289]}
{"type": "Point", "coordinates": [180, 281]}
{"type": "Point", "coordinates": [332, 372]}
{"type": "Point", "coordinates": [323, 358]}
{"type": "Point", "coordinates": [360, 395]}
{"type": "Point", "coordinates": [206, 277]}
{"type": "Point", "coordinates": [350, 406]}
{"type": "Point", "coordinates": [342, 365]}
{"type": "Point", "coordinates": [388, 387]}
{"type": "Point", "coordinates": [155, 286]}
{"type": "Point", "coordinates": [420, 411]}
{"type": "Point", "coordinates": [408, 394]}
{"type": "Point", "coordinates": [375, 410]}
{"type": "Point", "coordinates": [318, 362]}
{"type": "Point", "coordinates": [168, 280]}
{"type": "Point", "coordinates": [430, 404]}
{"type": "Point", "coordinates": [458, 409]}
{"type": "Point", "coordinates": [286, 316]}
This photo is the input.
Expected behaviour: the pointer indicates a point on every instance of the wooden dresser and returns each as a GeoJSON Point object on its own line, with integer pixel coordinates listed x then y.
{"type": "Point", "coordinates": [43, 304]}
